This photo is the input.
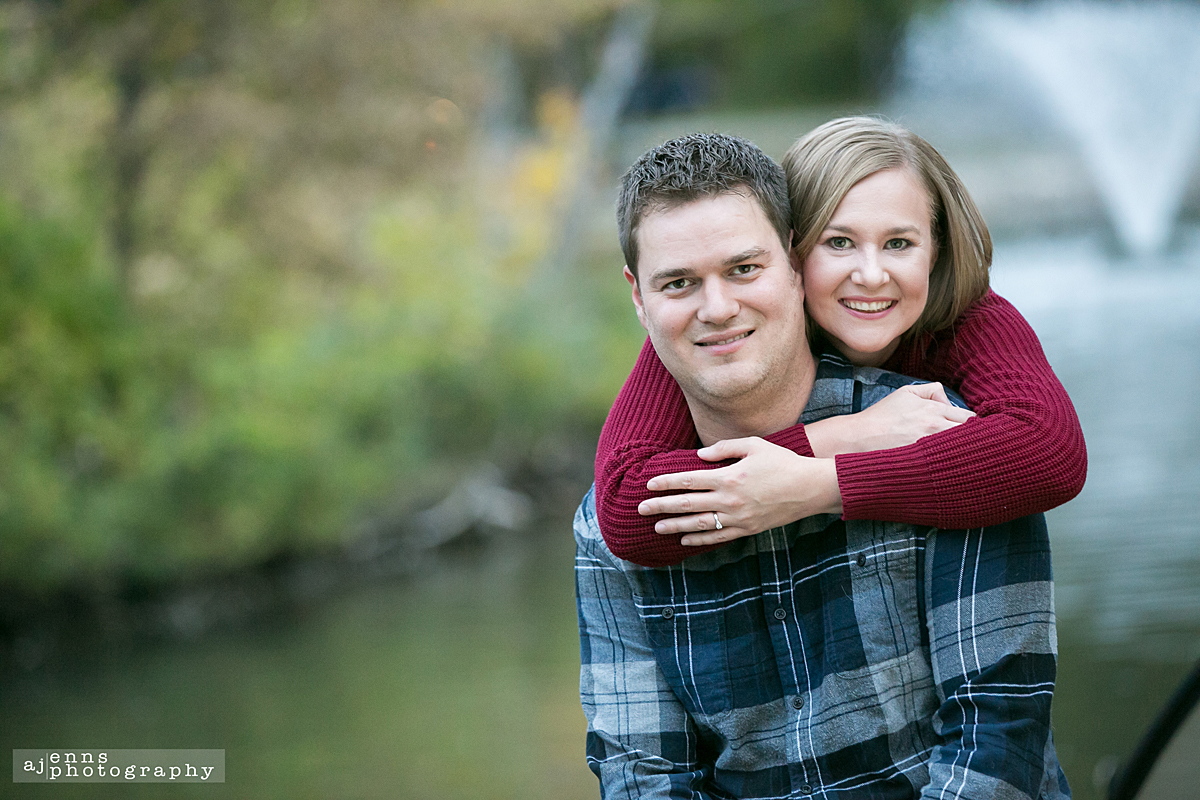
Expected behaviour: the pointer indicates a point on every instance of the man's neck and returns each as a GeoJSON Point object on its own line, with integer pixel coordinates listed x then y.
{"type": "Point", "coordinates": [759, 414]}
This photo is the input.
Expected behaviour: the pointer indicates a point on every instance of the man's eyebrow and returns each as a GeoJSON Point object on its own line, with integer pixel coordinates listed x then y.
{"type": "Point", "coordinates": [675, 273]}
{"type": "Point", "coordinates": [668, 275]}
{"type": "Point", "coordinates": [752, 254]}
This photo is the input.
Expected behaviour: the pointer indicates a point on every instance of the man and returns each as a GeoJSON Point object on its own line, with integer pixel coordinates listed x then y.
{"type": "Point", "coordinates": [824, 658]}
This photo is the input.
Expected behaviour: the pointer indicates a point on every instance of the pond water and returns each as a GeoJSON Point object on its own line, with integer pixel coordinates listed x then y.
{"type": "Point", "coordinates": [459, 683]}
{"type": "Point", "coordinates": [462, 682]}
{"type": "Point", "coordinates": [1124, 338]}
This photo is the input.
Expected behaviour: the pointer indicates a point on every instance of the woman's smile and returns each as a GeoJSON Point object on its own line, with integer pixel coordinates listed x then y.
{"type": "Point", "coordinates": [867, 306]}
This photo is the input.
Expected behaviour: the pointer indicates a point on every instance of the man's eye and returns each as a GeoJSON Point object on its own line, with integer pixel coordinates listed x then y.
{"type": "Point", "coordinates": [897, 244]}
{"type": "Point", "coordinates": [744, 269]}
{"type": "Point", "coordinates": [676, 285]}
{"type": "Point", "coordinates": [839, 242]}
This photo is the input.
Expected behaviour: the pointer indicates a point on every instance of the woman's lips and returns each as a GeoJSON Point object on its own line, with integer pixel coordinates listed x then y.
{"type": "Point", "coordinates": [868, 306]}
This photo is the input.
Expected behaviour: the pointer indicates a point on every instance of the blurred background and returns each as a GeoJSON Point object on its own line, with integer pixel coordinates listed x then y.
{"type": "Point", "coordinates": [310, 314]}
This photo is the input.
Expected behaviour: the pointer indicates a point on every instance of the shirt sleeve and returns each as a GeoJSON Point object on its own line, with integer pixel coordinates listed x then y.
{"type": "Point", "coordinates": [641, 742]}
{"type": "Point", "coordinates": [1023, 454]}
{"type": "Point", "coordinates": [649, 432]}
{"type": "Point", "coordinates": [992, 642]}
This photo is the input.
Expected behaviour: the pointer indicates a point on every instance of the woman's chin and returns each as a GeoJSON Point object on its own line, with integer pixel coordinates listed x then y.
{"type": "Point", "coordinates": [867, 352]}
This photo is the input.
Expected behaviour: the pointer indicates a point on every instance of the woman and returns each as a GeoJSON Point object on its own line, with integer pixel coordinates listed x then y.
{"type": "Point", "coordinates": [912, 458]}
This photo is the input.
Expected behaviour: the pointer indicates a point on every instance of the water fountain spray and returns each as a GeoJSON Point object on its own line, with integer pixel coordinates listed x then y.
{"type": "Point", "coordinates": [1122, 79]}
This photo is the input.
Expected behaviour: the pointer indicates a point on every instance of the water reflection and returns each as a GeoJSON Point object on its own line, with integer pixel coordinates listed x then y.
{"type": "Point", "coordinates": [1124, 337]}
{"type": "Point", "coordinates": [462, 683]}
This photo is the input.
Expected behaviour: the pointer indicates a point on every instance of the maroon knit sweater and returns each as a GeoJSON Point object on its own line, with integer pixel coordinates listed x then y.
{"type": "Point", "coordinates": [1022, 454]}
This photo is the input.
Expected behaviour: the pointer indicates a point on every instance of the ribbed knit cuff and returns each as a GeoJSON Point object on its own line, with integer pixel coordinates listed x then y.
{"type": "Point", "coordinates": [886, 485]}
{"type": "Point", "coordinates": [794, 438]}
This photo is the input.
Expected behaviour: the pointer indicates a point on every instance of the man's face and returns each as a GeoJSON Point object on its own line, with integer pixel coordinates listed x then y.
{"type": "Point", "coordinates": [721, 299]}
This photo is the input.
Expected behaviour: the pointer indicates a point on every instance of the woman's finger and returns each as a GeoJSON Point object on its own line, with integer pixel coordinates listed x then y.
{"type": "Point", "coordinates": [930, 391]}
{"type": "Point", "coordinates": [693, 523]}
{"type": "Point", "coordinates": [729, 448]}
{"type": "Point", "coordinates": [686, 503]}
{"type": "Point", "coordinates": [958, 415]}
{"type": "Point", "coordinates": [697, 480]}
{"type": "Point", "coordinates": [714, 537]}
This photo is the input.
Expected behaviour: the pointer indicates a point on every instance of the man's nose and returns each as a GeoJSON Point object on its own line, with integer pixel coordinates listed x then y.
{"type": "Point", "coordinates": [717, 303]}
{"type": "Point", "coordinates": [869, 271]}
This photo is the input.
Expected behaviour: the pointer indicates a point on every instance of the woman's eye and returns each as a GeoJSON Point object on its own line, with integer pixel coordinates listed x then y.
{"type": "Point", "coordinates": [897, 244]}
{"type": "Point", "coordinates": [839, 242]}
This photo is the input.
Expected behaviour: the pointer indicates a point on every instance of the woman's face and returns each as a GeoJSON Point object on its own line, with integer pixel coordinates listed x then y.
{"type": "Point", "coordinates": [867, 278]}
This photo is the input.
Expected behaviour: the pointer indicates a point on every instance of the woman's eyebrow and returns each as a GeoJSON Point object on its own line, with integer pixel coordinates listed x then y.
{"type": "Point", "coordinates": [889, 232]}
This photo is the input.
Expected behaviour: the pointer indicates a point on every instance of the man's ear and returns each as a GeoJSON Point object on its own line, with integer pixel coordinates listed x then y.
{"type": "Point", "coordinates": [793, 252]}
{"type": "Point", "coordinates": [637, 297]}
{"type": "Point", "coordinates": [794, 257]}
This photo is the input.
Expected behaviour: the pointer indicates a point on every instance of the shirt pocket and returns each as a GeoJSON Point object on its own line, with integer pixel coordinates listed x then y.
{"type": "Point", "coordinates": [688, 636]}
{"type": "Point", "coordinates": [884, 588]}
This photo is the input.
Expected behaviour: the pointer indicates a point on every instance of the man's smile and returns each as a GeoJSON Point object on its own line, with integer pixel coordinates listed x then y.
{"type": "Point", "coordinates": [726, 340]}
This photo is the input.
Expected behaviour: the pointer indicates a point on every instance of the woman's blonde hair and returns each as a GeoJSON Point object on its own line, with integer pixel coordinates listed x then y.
{"type": "Point", "coordinates": [823, 165]}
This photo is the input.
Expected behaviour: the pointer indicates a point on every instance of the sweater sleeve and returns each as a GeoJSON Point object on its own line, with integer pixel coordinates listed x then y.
{"type": "Point", "coordinates": [1023, 454]}
{"type": "Point", "coordinates": [649, 432]}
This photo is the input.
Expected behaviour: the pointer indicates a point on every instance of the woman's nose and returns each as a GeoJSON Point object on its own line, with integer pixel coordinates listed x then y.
{"type": "Point", "coordinates": [717, 303]}
{"type": "Point", "coordinates": [869, 272]}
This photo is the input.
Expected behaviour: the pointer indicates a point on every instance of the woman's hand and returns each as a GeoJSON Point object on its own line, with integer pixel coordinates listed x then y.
{"type": "Point", "coordinates": [901, 418]}
{"type": "Point", "coordinates": [769, 486]}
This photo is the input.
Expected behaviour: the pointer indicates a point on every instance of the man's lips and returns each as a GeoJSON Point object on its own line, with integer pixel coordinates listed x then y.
{"type": "Point", "coordinates": [868, 306]}
{"type": "Point", "coordinates": [724, 339]}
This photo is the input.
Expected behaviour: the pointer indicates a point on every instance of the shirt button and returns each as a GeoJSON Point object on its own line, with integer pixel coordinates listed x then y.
{"type": "Point", "coordinates": [798, 703]}
{"type": "Point", "coordinates": [668, 613]}
{"type": "Point", "coordinates": [861, 560]}
{"type": "Point", "coordinates": [804, 788]}
{"type": "Point", "coordinates": [780, 613]}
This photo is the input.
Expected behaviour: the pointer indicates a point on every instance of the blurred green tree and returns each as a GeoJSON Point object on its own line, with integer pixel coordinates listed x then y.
{"type": "Point", "coordinates": [247, 294]}
{"type": "Point", "coordinates": [775, 53]}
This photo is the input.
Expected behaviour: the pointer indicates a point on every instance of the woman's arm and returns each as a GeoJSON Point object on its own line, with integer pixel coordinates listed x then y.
{"type": "Point", "coordinates": [649, 432]}
{"type": "Point", "coordinates": [767, 486]}
{"type": "Point", "coordinates": [1024, 453]}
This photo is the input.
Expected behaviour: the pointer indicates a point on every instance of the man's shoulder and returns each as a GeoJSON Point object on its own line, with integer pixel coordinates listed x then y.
{"type": "Point", "coordinates": [587, 525]}
{"type": "Point", "coordinates": [588, 539]}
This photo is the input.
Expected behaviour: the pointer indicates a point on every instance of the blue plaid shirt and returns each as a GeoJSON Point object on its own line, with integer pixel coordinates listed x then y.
{"type": "Point", "coordinates": [826, 658]}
